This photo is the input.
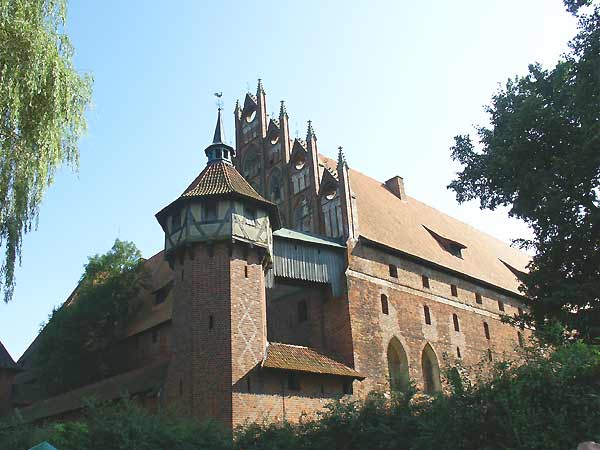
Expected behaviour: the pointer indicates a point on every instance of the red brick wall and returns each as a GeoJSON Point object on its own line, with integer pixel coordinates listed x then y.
{"type": "Point", "coordinates": [372, 330]}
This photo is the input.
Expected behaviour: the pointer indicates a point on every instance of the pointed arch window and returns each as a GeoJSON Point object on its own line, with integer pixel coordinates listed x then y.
{"type": "Point", "coordinates": [431, 371]}
{"type": "Point", "coordinates": [302, 215]}
{"type": "Point", "coordinates": [251, 164]}
{"type": "Point", "coordinates": [276, 187]}
{"type": "Point", "coordinates": [397, 366]}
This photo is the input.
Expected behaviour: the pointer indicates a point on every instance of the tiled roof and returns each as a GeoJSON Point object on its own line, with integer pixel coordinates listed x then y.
{"type": "Point", "coordinates": [6, 361]}
{"type": "Point", "coordinates": [402, 225]}
{"type": "Point", "coordinates": [134, 382]}
{"type": "Point", "coordinates": [304, 359]}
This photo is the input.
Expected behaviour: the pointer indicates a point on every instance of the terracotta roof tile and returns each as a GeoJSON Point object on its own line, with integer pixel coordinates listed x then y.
{"type": "Point", "coordinates": [304, 359]}
{"type": "Point", "coordinates": [402, 225]}
{"type": "Point", "coordinates": [219, 179]}
{"type": "Point", "coordinates": [134, 382]}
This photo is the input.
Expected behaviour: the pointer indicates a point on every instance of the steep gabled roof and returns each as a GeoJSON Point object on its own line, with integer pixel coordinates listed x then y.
{"type": "Point", "coordinates": [402, 225]}
{"type": "Point", "coordinates": [304, 359]}
{"type": "Point", "coordinates": [6, 361]}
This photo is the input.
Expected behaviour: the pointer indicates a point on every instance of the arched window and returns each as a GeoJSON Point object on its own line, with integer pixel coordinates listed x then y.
{"type": "Point", "coordinates": [397, 366]}
{"type": "Point", "coordinates": [456, 324]}
{"type": "Point", "coordinates": [276, 188]}
{"type": "Point", "coordinates": [384, 304]}
{"type": "Point", "coordinates": [302, 215]}
{"type": "Point", "coordinates": [251, 164]}
{"type": "Point", "coordinates": [486, 330]}
{"type": "Point", "coordinates": [431, 371]}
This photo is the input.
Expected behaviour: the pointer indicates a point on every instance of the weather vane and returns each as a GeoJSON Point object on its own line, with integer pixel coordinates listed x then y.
{"type": "Point", "coordinates": [219, 100]}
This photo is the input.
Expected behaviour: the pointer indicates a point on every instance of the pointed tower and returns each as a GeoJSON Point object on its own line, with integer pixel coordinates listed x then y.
{"type": "Point", "coordinates": [218, 241]}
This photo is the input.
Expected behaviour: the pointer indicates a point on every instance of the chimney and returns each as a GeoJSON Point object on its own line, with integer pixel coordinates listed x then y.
{"type": "Point", "coordinates": [396, 185]}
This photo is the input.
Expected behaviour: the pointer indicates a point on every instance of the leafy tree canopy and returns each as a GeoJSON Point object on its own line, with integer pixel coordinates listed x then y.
{"type": "Point", "coordinates": [42, 105]}
{"type": "Point", "coordinates": [78, 344]}
{"type": "Point", "coordinates": [540, 156]}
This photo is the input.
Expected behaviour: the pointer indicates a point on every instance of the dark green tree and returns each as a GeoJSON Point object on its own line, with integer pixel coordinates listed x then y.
{"type": "Point", "coordinates": [540, 156]}
{"type": "Point", "coordinates": [78, 345]}
{"type": "Point", "coordinates": [42, 105]}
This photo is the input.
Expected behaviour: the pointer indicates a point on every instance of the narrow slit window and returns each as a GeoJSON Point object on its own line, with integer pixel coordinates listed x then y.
{"type": "Point", "coordinates": [456, 324]}
{"type": "Point", "coordinates": [425, 281]}
{"type": "Point", "coordinates": [520, 339]}
{"type": "Point", "coordinates": [478, 298]}
{"type": "Point", "coordinates": [393, 271]}
{"type": "Point", "coordinates": [453, 290]}
{"type": "Point", "coordinates": [384, 304]}
{"type": "Point", "coordinates": [211, 322]}
{"type": "Point", "coordinates": [458, 355]}
{"type": "Point", "coordinates": [486, 330]}
{"type": "Point", "coordinates": [246, 271]}
{"type": "Point", "coordinates": [500, 305]}
{"type": "Point", "coordinates": [427, 314]}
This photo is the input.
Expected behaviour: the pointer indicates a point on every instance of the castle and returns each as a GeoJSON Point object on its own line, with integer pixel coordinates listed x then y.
{"type": "Point", "coordinates": [288, 280]}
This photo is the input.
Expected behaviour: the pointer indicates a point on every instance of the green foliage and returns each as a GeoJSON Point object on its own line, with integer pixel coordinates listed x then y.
{"type": "Point", "coordinates": [548, 401]}
{"type": "Point", "coordinates": [375, 423]}
{"type": "Point", "coordinates": [551, 402]}
{"type": "Point", "coordinates": [42, 105]}
{"type": "Point", "coordinates": [120, 426]}
{"type": "Point", "coordinates": [77, 346]}
{"type": "Point", "coordinates": [540, 156]}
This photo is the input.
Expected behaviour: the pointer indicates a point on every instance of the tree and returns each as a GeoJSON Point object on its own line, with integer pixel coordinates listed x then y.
{"type": "Point", "coordinates": [42, 105]}
{"type": "Point", "coordinates": [79, 343]}
{"type": "Point", "coordinates": [540, 156]}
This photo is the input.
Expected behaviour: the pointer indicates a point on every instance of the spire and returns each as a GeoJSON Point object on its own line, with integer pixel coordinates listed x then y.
{"type": "Point", "coordinates": [260, 89]}
{"type": "Point", "coordinates": [219, 150]}
{"type": "Point", "coordinates": [310, 132]}
{"type": "Point", "coordinates": [341, 162]}
{"type": "Point", "coordinates": [282, 110]}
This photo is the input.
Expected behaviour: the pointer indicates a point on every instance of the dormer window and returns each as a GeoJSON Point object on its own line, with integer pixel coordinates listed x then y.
{"type": "Point", "coordinates": [455, 248]}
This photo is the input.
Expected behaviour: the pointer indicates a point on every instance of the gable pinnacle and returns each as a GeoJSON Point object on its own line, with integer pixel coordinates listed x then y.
{"type": "Point", "coordinates": [310, 132]}
{"type": "Point", "coordinates": [260, 89]}
{"type": "Point", "coordinates": [341, 157]}
{"type": "Point", "coordinates": [282, 110]}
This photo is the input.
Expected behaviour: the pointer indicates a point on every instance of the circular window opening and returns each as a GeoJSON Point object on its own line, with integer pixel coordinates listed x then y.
{"type": "Point", "coordinates": [300, 162]}
{"type": "Point", "coordinates": [330, 194]}
{"type": "Point", "coordinates": [250, 116]}
{"type": "Point", "coordinates": [274, 139]}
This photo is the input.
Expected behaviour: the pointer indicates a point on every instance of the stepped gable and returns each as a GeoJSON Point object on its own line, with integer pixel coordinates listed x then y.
{"type": "Point", "coordinates": [403, 225]}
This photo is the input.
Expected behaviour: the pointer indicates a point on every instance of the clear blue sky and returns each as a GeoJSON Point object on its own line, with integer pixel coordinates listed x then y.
{"type": "Point", "coordinates": [392, 81]}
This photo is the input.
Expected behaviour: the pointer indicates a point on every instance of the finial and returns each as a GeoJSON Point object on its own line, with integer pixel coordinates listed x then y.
{"type": "Point", "coordinates": [219, 96]}
{"type": "Point", "coordinates": [282, 110]}
{"type": "Point", "coordinates": [260, 89]}
{"type": "Point", "coordinates": [219, 137]}
{"type": "Point", "coordinates": [310, 132]}
{"type": "Point", "coordinates": [341, 157]}
{"type": "Point", "coordinates": [237, 105]}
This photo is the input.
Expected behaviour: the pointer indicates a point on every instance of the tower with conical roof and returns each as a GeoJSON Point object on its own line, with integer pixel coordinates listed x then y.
{"type": "Point", "coordinates": [218, 241]}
